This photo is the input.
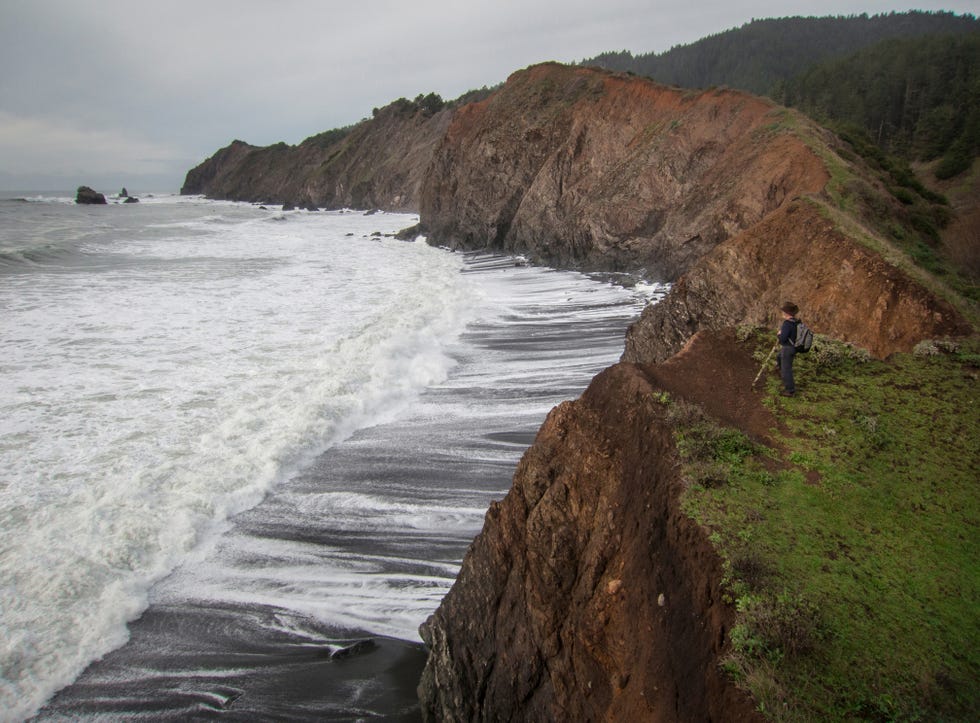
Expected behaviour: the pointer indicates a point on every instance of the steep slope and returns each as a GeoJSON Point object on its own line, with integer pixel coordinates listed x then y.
{"type": "Point", "coordinates": [588, 595]}
{"type": "Point", "coordinates": [379, 163]}
{"type": "Point", "coordinates": [557, 612]}
{"type": "Point", "coordinates": [579, 167]}
{"type": "Point", "coordinates": [843, 288]}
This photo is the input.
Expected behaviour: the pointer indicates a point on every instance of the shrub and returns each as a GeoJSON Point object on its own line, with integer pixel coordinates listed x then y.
{"type": "Point", "coordinates": [707, 473]}
{"type": "Point", "coordinates": [685, 414]}
{"type": "Point", "coordinates": [828, 353]}
{"type": "Point", "coordinates": [431, 103]}
{"type": "Point", "coordinates": [775, 626]}
{"type": "Point", "coordinates": [751, 568]}
{"type": "Point", "coordinates": [957, 160]}
{"type": "Point", "coordinates": [924, 224]}
{"type": "Point", "coordinates": [707, 441]}
{"type": "Point", "coordinates": [903, 195]}
{"type": "Point", "coordinates": [934, 347]}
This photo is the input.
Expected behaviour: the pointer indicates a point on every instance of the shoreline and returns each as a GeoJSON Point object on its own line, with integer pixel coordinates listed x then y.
{"type": "Point", "coordinates": [374, 529]}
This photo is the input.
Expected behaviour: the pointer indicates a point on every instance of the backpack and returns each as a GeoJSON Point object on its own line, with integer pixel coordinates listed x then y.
{"type": "Point", "coordinates": [804, 338]}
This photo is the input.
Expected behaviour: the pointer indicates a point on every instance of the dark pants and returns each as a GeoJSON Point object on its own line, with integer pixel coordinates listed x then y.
{"type": "Point", "coordinates": [785, 360]}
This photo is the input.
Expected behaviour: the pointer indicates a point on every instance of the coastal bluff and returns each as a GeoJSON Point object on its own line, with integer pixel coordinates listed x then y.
{"type": "Point", "coordinates": [587, 169]}
{"type": "Point", "coordinates": [377, 163]}
{"type": "Point", "coordinates": [590, 594]}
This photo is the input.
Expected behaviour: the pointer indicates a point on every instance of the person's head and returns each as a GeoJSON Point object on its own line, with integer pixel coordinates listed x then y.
{"type": "Point", "coordinates": [789, 309]}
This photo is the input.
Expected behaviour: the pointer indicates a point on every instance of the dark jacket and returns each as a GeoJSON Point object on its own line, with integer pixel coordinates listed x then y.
{"type": "Point", "coordinates": [787, 332]}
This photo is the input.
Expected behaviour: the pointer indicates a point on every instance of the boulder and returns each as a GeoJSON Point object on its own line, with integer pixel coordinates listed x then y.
{"type": "Point", "coordinates": [410, 233]}
{"type": "Point", "coordinates": [86, 195]}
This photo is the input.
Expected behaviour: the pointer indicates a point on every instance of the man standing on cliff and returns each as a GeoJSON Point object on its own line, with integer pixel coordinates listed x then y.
{"type": "Point", "coordinates": [787, 347]}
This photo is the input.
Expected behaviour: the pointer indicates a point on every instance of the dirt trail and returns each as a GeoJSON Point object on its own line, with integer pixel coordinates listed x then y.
{"type": "Point", "coordinates": [722, 382]}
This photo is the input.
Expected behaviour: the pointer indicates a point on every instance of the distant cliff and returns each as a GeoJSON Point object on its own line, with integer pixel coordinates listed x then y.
{"type": "Point", "coordinates": [378, 163]}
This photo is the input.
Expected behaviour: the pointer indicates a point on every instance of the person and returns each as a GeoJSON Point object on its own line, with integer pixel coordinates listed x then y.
{"type": "Point", "coordinates": [787, 347]}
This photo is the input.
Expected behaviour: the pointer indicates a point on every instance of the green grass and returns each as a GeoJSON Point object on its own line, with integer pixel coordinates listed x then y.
{"type": "Point", "coordinates": [852, 543]}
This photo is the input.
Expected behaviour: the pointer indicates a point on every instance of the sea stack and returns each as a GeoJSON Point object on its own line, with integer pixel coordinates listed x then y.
{"type": "Point", "coordinates": [86, 195]}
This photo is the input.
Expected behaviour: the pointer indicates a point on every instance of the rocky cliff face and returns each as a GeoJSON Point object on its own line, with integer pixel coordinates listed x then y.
{"type": "Point", "coordinates": [579, 167]}
{"type": "Point", "coordinates": [378, 163]}
{"type": "Point", "coordinates": [588, 595]}
{"type": "Point", "coordinates": [843, 288]}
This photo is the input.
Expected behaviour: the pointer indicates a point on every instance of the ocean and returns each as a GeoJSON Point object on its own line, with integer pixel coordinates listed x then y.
{"type": "Point", "coordinates": [243, 451]}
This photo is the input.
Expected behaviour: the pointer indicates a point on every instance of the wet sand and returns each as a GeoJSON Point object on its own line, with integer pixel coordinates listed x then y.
{"type": "Point", "coordinates": [307, 607]}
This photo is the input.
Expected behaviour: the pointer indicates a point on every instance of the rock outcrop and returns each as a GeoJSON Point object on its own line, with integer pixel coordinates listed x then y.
{"type": "Point", "coordinates": [378, 163]}
{"type": "Point", "coordinates": [580, 167]}
{"type": "Point", "coordinates": [86, 195]}
{"type": "Point", "coordinates": [588, 595]}
{"type": "Point", "coordinates": [843, 288]}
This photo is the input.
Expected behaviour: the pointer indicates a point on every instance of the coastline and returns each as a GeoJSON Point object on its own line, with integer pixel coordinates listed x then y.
{"type": "Point", "coordinates": [408, 496]}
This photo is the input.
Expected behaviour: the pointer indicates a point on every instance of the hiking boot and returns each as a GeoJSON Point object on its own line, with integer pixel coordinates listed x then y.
{"type": "Point", "coordinates": [786, 393]}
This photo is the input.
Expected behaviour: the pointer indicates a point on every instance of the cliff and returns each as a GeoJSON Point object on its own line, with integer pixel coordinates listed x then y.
{"type": "Point", "coordinates": [378, 163]}
{"type": "Point", "coordinates": [589, 594]}
{"type": "Point", "coordinates": [578, 167]}
{"type": "Point", "coordinates": [845, 289]}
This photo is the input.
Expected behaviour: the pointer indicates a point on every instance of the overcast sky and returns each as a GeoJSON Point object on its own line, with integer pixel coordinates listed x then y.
{"type": "Point", "coordinates": [136, 93]}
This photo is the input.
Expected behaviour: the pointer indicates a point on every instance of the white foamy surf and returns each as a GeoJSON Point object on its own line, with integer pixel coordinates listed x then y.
{"type": "Point", "coordinates": [160, 375]}
{"type": "Point", "coordinates": [166, 366]}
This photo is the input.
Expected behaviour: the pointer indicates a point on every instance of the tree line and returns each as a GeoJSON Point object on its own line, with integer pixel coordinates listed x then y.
{"type": "Point", "coordinates": [909, 81]}
{"type": "Point", "coordinates": [916, 98]}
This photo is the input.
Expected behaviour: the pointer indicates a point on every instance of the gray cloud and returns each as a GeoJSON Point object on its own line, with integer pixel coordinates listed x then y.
{"type": "Point", "coordinates": [140, 92]}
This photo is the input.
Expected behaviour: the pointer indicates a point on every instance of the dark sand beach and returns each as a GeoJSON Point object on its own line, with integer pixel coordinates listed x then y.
{"type": "Point", "coordinates": [307, 607]}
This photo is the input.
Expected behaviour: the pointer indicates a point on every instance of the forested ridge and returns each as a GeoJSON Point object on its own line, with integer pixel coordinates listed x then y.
{"type": "Point", "coordinates": [917, 98]}
{"type": "Point", "coordinates": [910, 80]}
{"type": "Point", "coordinates": [760, 53]}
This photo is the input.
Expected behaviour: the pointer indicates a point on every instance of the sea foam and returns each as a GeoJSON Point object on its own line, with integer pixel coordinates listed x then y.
{"type": "Point", "coordinates": [160, 374]}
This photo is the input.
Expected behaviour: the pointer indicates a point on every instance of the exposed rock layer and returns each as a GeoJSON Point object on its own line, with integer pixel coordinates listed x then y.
{"type": "Point", "coordinates": [588, 595]}
{"type": "Point", "coordinates": [578, 167]}
{"type": "Point", "coordinates": [844, 290]}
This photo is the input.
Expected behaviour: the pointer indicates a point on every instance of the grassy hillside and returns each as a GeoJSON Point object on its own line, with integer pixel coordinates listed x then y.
{"type": "Point", "coordinates": [850, 538]}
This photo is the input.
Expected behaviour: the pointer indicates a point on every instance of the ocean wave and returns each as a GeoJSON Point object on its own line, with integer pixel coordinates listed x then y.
{"type": "Point", "coordinates": [144, 407]}
{"type": "Point", "coordinates": [36, 256]}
